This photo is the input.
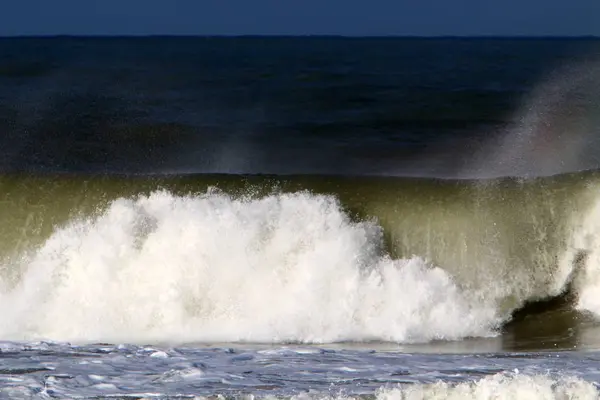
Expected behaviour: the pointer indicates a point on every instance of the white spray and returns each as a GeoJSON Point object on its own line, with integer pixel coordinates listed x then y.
{"type": "Point", "coordinates": [286, 267]}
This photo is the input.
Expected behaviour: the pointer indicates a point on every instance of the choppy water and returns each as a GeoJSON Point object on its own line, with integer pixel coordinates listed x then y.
{"type": "Point", "coordinates": [134, 214]}
{"type": "Point", "coordinates": [48, 370]}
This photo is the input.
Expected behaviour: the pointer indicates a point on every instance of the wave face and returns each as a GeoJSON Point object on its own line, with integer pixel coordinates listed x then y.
{"type": "Point", "coordinates": [295, 259]}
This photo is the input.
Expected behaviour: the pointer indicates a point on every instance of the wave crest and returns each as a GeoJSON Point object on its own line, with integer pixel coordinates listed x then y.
{"type": "Point", "coordinates": [282, 268]}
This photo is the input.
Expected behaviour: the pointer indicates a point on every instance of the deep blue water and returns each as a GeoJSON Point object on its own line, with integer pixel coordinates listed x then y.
{"type": "Point", "coordinates": [266, 105]}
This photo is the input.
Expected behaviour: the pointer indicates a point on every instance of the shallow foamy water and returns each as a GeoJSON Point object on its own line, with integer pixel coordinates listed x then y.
{"type": "Point", "coordinates": [49, 370]}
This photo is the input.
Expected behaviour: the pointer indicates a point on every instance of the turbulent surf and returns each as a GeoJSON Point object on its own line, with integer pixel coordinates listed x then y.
{"type": "Point", "coordinates": [307, 259]}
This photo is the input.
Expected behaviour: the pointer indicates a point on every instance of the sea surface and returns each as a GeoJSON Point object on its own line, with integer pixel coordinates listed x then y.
{"type": "Point", "coordinates": [299, 217]}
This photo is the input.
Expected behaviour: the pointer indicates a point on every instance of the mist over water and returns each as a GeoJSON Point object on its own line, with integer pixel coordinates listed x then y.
{"type": "Point", "coordinates": [555, 130]}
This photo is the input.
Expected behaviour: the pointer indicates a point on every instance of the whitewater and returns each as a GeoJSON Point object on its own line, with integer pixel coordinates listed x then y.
{"type": "Point", "coordinates": [409, 262]}
{"type": "Point", "coordinates": [231, 294]}
{"type": "Point", "coordinates": [210, 268]}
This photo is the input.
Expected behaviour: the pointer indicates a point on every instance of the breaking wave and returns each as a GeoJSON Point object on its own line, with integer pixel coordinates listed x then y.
{"type": "Point", "coordinates": [304, 259]}
{"type": "Point", "coordinates": [284, 268]}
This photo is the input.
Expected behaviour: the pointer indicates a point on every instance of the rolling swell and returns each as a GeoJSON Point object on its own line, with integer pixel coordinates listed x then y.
{"type": "Point", "coordinates": [295, 258]}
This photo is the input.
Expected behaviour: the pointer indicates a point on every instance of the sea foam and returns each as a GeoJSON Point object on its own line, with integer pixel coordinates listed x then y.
{"type": "Point", "coordinates": [282, 268]}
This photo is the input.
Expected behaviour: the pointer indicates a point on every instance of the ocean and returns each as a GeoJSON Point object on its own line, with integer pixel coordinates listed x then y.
{"type": "Point", "coordinates": [299, 217]}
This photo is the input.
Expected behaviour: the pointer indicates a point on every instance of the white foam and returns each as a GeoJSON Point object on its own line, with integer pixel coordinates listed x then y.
{"type": "Point", "coordinates": [286, 267]}
{"type": "Point", "coordinates": [497, 387]}
{"type": "Point", "coordinates": [586, 238]}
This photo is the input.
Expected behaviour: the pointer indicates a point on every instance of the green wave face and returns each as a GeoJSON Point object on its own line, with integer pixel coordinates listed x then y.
{"type": "Point", "coordinates": [505, 242]}
{"type": "Point", "coordinates": [476, 229]}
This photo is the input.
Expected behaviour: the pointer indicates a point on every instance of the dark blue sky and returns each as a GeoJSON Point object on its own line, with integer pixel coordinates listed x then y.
{"type": "Point", "coordinates": [343, 17]}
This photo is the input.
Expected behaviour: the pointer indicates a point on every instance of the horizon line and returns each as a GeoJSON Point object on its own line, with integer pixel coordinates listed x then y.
{"type": "Point", "coordinates": [341, 36]}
